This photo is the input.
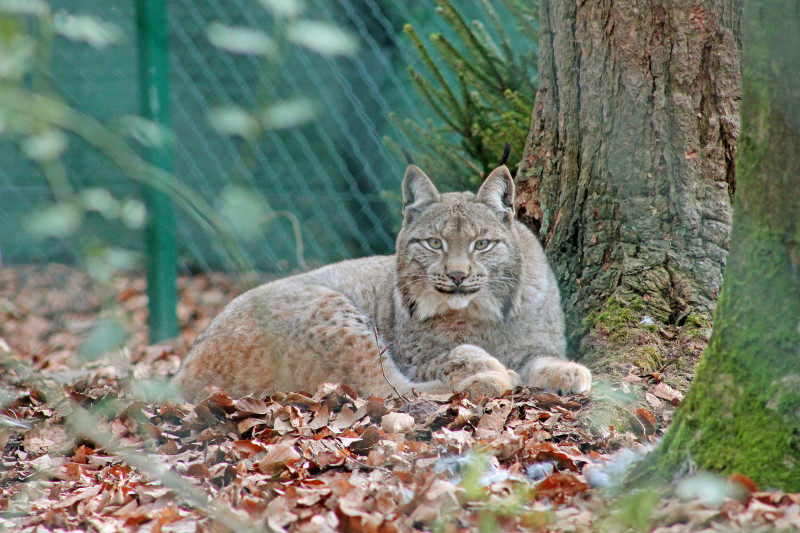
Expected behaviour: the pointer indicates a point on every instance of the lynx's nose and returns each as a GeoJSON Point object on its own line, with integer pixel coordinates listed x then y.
{"type": "Point", "coordinates": [457, 276]}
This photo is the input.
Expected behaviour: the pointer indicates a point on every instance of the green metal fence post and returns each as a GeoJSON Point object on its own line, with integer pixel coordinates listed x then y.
{"type": "Point", "coordinates": [160, 234]}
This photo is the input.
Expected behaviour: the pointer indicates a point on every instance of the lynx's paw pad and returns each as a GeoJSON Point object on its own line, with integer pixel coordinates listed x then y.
{"type": "Point", "coordinates": [563, 377]}
{"type": "Point", "coordinates": [491, 383]}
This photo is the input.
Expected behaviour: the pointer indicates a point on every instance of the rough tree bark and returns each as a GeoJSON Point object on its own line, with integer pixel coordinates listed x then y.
{"type": "Point", "coordinates": [628, 170]}
{"type": "Point", "coordinates": [742, 413]}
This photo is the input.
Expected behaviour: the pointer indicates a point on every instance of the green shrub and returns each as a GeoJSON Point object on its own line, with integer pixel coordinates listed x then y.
{"type": "Point", "coordinates": [480, 84]}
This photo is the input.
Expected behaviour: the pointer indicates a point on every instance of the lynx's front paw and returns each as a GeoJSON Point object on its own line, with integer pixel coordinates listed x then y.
{"type": "Point", "coordinates": [471, 368]}
{"type": "Point", "coordinates": [491, 383]}
{"type": "Point", "coordinates": [563, 377]}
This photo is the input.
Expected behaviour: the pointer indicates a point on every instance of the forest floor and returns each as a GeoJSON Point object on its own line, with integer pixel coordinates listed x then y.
{"type": "Point", "coordinates": [98, 441]}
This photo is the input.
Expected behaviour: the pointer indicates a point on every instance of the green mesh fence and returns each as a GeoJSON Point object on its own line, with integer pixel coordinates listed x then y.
{"type": "Point", "coordinates": [333, 177]}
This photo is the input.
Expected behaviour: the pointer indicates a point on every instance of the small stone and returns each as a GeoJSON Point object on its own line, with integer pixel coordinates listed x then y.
{"type": "Point", "coordinates": [397, 422]}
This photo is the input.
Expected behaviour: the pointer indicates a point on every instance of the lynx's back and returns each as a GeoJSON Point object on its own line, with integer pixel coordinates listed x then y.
{"type": "Point", "coordinates": [468, 302]}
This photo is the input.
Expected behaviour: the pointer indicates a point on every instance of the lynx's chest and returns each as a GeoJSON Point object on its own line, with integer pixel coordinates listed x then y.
{"type": "Point", "coordinates": [458, 325]}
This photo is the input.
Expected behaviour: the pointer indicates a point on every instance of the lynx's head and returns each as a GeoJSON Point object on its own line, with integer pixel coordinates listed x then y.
{"type": "Point", "coordinates": [458, 252]}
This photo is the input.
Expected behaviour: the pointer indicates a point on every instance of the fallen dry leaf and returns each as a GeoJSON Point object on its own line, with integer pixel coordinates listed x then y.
{"type": "Point", "coordinates": [665, 392]}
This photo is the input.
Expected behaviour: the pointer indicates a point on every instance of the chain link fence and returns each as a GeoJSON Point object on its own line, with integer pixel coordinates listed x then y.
{"type": "Point", "coordinates": [334, 174]}
{"type": "Point", "coordinates": [330, 186]}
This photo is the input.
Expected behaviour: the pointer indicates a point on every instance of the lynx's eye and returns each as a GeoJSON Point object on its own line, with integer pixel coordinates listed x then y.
{"type": "Point", "coordinates": [482, 244]}
{"type": "Point", "coordinates": [434, 243]}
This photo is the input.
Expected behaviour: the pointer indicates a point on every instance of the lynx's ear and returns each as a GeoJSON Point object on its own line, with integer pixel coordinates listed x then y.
{"type": "Point", "coordinates": [418, 191]}
{"type": "Point", "coordinates": [498, 193]}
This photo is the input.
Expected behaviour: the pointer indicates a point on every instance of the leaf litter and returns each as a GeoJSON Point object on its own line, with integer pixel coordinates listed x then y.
{"type": "Point", "coordinates": [83, 449]}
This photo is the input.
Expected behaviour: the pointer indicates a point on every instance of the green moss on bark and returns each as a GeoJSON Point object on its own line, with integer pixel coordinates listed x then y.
{"type": "Point", "coordinates": [742, 413]}
{"type": "Point", "coordinates": [616, 317]}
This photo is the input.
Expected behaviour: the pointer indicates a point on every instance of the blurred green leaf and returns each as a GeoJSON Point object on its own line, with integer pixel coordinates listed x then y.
{"type": "Point", "coordinates": [88, 29]}
{"type": "Point", "coordinates": [105, 335]}
{"type": "Point", "coordinates": [156, 390]}
{"type": "Point", "coordinates": [233, 120]}
{"type": "Point", "coordinates": [45, 146]}
{"type": "Point", "coordinates": [146, 132]}
{"type": "Point", "coordinates": [322, 38]}
{"type": "Point", "coordinates": [284, 8]}
{"type": "Point", "coordinates": [17, 52]}
{"type": "Point", "coordinates": [24, 7]}
{"type": "Point", "coordinates": [57, 220]}
{"type": "Point", "coordinates": [288, 114]}
{"type": "Point", "coordinates": [99, 200]}
{"type": "Point", "coordinates": [133, 213]}
{"type": "Point", "coordinates": [102, 262]}
{"type": "Point", "coordinates": [706, 487]}
{"type": "Point", "coordinates": [636, 510]}
{"type": "Point", "coordinates": [242, 211]}
{"type": "Point", "coordinates": [241, 40]}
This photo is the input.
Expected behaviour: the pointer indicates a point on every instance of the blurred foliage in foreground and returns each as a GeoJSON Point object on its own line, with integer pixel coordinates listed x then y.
{"type": "Point", "coordinates": [105, 220]}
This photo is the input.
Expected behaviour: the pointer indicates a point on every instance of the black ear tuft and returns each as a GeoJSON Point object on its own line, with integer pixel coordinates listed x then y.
{"type": "Point", "coordinates": [506, 153]}
{"type": "Point", "coordinates": [407, 155]}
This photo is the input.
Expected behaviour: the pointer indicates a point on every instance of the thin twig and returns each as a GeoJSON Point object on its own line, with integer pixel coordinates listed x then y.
{"type": "Point", "coordinates": [380, 360]}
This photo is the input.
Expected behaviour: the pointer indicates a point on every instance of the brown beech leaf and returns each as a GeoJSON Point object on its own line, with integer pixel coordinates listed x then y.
{"type": "Point", "coordinates": [81, 495]}
{"type": "Point", "coordinates": [456, 441]}
{"type": "Point", "coordinates": [279, 513]}
{"type": "Point", "coordinates": [560, 487]}
{"type": "Point", "coordinates": [204, 413]}
{"type": "Point", "coordinates": [47, 438]}
{"type": "Point", "coordinates": [344, 419]}
{"type": "Point", "coordinates": [549, 451]}
{"type": "Point", "coordinates": [81, 452]}
{"type": "Point", "coordinates": [497, 414]}
{"type": "Point", "coordinates": [279, 456]}
{"type": "Point", "coordinates": [347, 390]}
{"type": "Point", "coordinates": [657, 377]}
{"type": "Point", "coordinates": [321, 418]}
{"type": "Point", "coordinates": [247, 448]}
{"type": "Point", "coordinates": [665, 392]}
{"type": "Point", "coordinates": [376, 409]}
{"type": "Point", "coordinates": [748, 485]}
{"type": "Point", "coordinates": [647, 421]}
{"type": "Point", "coordinates": [251, 406]}
{"type": "Point", "coordinates": [198, 469]}
{"type": "Point", "coordinates": [546, 400]}
{"type": "Point", "coordinates": [223, 475]}
{"type": "Point", "coordinates": [368, 440]}
{"type": "Point", "coordinates": [300, 400]}
{"type": "Point", "coordinates": [249, 423]}
{"type": "Point", "coordinates": [219, 398]}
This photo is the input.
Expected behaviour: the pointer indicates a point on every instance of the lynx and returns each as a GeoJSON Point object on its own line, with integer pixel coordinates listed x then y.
{"type": "Point", "coordinates": [467, 303]}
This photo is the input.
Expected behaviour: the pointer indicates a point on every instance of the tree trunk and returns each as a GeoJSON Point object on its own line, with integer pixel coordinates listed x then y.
{"type": "Point", "coordinates": [742, 413]}
{"type": "Point", "coordinates": [628, 170]}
